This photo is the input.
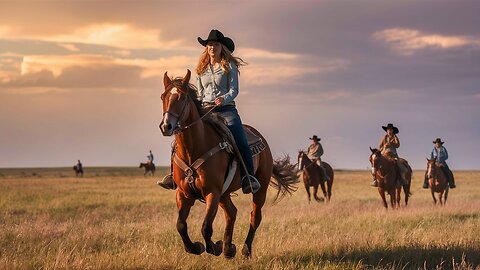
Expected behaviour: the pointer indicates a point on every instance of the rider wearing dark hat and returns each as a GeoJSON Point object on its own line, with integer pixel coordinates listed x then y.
{"type": "Point", "coordinates": [315, 152]}
{"type": "Point", "coordinates": [388, 146]}
{"type": "Point", "coordinates": [440, 154]}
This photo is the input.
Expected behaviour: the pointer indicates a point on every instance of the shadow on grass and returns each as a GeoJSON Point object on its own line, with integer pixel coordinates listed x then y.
{"type": "Point", "coordinates": [396, 258]}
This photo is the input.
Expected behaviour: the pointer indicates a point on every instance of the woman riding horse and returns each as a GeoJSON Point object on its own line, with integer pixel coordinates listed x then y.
{"type": "Point", "coordinates": [388, 147]}
{"type": "Point", "coordinates": [440, 155]}
{"type": "Point", "coordinates": [217, 84]}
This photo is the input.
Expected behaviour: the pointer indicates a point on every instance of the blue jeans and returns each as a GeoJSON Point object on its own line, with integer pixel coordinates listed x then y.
{"type": "Point", "coordinates": [234, 123]}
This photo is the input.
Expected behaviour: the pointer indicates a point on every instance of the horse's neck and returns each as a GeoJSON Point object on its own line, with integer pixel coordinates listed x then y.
{"type": "Point", "coordinates": [189, 142]}
{"type": "Point", "coordinates": [385, 166]}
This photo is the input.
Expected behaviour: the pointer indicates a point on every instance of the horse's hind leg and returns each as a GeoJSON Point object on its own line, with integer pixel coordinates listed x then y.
{"type": "Point", "coordinates": [184, 205]}
{"type": "Point", "coordinates": [324, 190]}
{"type": "Point", "coordinates": [445, 197]}
{"type": "Point", "coordinates": [315, 191]}
{"type": "Point", "coordinates": [229, 249]}
{"type": "Point", "coordinates": [212, 201]}
{"type": "Point", "coordinates": [255, 219]}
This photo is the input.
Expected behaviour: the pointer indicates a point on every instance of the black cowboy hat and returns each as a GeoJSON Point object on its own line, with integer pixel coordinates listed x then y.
{"type": "Point", "coordinates": [218, 36]}
{"type": "Point", "coordinates": [314, 137]}
{"type": "Point", "coordinates": [438, 140]}
{"type": "Point", "coordinates": [390, 125]}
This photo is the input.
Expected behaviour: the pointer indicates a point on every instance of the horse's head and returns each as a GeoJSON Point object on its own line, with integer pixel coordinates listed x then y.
{"type": "Point", "coordinates": [374, 160]}
{"type": "Point", "coordinates": [141, 165]}
{"type": "Point", "coordinates": [300, 159]}
{"type": "Point", "coordinates": [176, 103]}
{"type": "Point", "coordinates": [431, 167]}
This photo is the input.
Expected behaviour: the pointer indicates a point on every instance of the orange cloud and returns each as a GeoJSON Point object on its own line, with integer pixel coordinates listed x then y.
{"type": "Point", "coordinates": [109, 34]}
{"type": "Point", "coordinates": [408, 41]}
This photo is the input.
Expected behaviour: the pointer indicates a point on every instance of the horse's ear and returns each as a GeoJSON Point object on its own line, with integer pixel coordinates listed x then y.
{"type": "Point", "coordinates": [371, 149]}
{"type": "Point", "coordinates": [186, 79]}
{"type": "Point", "coordinates": [166, 80]}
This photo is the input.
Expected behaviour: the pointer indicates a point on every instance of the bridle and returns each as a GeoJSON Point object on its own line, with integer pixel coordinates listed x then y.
{"type": "Point", "coordinates": [374, 165]}
{"type": "Point", "coordinates": [186, 105]}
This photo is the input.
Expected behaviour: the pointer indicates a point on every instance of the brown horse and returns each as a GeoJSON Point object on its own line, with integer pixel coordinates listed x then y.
{"type": "Point", "coordinates": [313, 176]}
{"type": "Point", "coordinates": [149, 168]}
{"type": "Point", "coordinates": [195, 137]}
{"type": "Point", "coordinates": [437, 181]}
{"type": "Point", "coordinates": [386, 172]}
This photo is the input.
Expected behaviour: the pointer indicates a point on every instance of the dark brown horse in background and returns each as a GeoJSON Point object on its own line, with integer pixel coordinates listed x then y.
{"type": "Point", "coordinates": [78, 170]}
{"type": "Point", "coordinates": [184, 117]}
{"type": "Point", "coordinates": [149, 168]}
{"type": "Point", "coordinates": [386, 172]}
{"type": "Point", "coordinates": [437, 181]}
{"type": "Point", "coordinates": [313, 177]}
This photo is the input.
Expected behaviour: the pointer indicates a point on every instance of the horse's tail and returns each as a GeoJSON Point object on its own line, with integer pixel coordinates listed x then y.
{"type": "Point", "coordinates": [285, 175]}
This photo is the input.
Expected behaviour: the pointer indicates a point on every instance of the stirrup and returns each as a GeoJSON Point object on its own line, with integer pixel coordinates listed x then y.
{"type": "Point", "coordinates": [250, 184]}
{"type": "Point", "coordinates": [167, 182]}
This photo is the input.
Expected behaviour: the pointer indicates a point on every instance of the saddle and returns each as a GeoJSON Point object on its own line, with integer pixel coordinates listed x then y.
{"type": "Point", "coordinates": [218, 123]}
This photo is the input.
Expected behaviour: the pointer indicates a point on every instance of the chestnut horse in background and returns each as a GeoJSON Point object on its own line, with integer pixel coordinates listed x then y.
{"type": "Point", "coordinates": [313, 176]}
{"type": "Point", "coordinates": [149, 168]}
{"type": "Point", "coordinates": [386, 171]}
{"type": "Point", "coordinates": [437, 181]}
{"type": "Point", "coordinates": [183, 117]}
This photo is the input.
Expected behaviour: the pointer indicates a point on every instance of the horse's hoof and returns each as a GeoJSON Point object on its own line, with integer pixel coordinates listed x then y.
{"type": "Point", "coordinates": [230, 252]}
{"type": "Point", "coordinates": [246, 252]}
{"type": "Point", "coordinates": [215, 249]}
{"type": "Point", "coordinates": [198, 248]}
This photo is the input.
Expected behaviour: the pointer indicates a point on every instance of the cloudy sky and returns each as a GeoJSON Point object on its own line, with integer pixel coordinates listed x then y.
{"type": "Point", "coordinates": [82, 79]}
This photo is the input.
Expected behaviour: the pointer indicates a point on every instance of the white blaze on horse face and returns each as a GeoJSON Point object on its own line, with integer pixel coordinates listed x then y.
{"type": "Point", "coordinates": [174, 90]}
{"type": "Point", "coordinates": [429, 171]}
{"type": "Point", "coordinates": [300, 159]}
{"type": "Point", "coordinates": [374, 156]}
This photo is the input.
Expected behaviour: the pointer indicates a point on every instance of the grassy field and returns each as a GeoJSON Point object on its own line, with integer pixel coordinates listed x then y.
{"type": "Point", "coordinates": [114, 218]}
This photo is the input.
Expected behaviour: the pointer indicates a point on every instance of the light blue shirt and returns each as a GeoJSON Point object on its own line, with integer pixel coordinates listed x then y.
{"type": "Point", "coordinates": [213, 83]}
{"type": "Point", "coordinates": [440, 156]}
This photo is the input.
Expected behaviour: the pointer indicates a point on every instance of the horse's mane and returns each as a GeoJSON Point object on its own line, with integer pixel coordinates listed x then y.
{"type": "Point", "coordinates": [192, 92]}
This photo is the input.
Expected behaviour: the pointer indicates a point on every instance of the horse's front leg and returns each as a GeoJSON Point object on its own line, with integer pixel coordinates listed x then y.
{"type": "Point", "coordinates": [433, 196]}
{"type": "Point", "coordinates": [229, 249]}
{"type": "Point", "coordinates": [382, 194]}
{"type": "Point", "coordinates": [184, 205]}
{"type": "Point", "coordinates": [212, 200]}
{"type": "Point", "coordinates": [307, 188]}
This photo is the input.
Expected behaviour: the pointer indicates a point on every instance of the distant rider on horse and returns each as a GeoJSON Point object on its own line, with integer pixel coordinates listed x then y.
{"type": "Point", "coordinates": [150, 157]}
{"type": "Point", "coordinates": [388, 146]}
{"type": "Point", "coordinates": [315, 152]}
{"type": "Point", "coordinates": [217, 84]}
{"type": "Point", "coordinates": [440, 154]}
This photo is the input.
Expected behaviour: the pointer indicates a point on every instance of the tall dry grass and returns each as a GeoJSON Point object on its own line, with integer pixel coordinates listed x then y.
{"type": "Point", "coordinates": [112, 220]}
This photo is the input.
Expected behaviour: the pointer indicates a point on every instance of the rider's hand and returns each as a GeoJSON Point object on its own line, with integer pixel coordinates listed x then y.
{"type": "Point", "coordinates": [218, 100]}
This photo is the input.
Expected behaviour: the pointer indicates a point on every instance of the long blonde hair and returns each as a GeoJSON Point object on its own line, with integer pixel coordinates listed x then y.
{"type": "Point", "coordinates": [225, 58]}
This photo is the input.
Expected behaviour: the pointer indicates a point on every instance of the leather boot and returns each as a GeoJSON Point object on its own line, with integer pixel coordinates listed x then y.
{"type": "Point", "coordinates": [425, 182]}
{"type": "Point", "coordinates": [250, 184]}
{"type": "Point", "coordinates": [167, 182]}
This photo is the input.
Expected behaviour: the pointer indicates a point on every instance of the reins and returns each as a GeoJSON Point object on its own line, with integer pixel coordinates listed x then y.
{"type": "Point", "coordinates": [179, 128]}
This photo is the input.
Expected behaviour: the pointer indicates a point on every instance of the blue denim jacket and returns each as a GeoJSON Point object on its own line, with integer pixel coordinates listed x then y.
{"type": "Point", "coordinates": [213, 83]}
{"type": "Point", "coordinates": [441, 156]}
